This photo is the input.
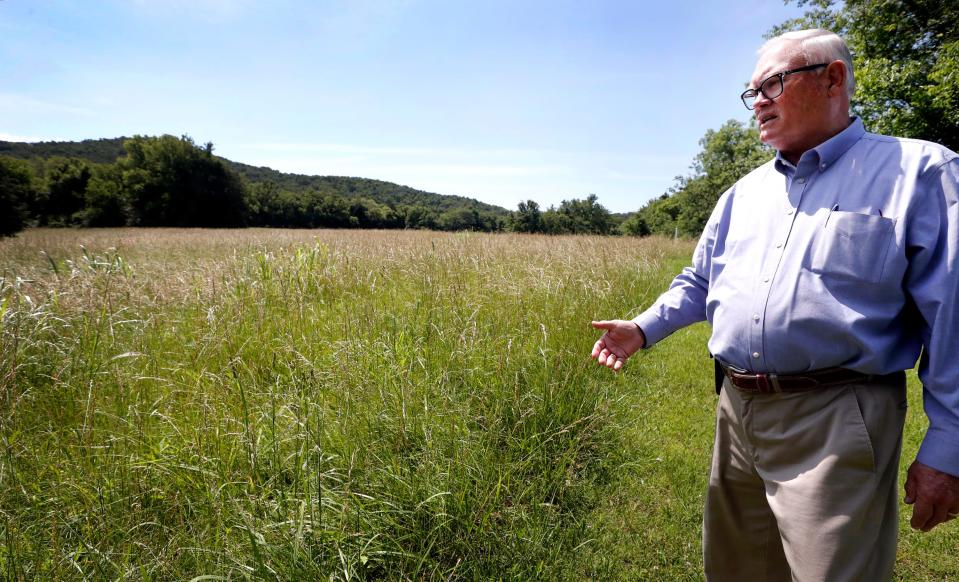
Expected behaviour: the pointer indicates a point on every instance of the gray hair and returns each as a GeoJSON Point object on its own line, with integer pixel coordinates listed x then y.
{"type": "Point", "coordinates": [817, 46]}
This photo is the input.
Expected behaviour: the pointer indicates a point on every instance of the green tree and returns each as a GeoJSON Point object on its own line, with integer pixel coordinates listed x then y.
{"type": "Point", "coordinates": [368, 213]}
{"type": "Point", "coordinates": [527, 218]}
{"type": "Point", "coordinates": [586, 216]}
{"type": "Point", "coordinates": [906, 59]}
{"type": "Point", "coordinates": [67, 180]}
{"type": "Point", "coordinates": [419, 216]}
{"type": "Point", "coordinates": [104, 201]}
{"type": "Point", "coordinates": [637, 224]}
{"type": "Point", "coordinates": [556, 222]}
{"type": "Point", "coordinates": [16, 191]}
{"type": "Point", "coordinates": [172, 182]}
{"type": "Point", "coordinates": [263, 204]}
{"type": "Point", "coordinates": [329, 210]}
{"type": "Point", "coordinates": [657, 216]}
{"type": "Point", "coordinates": [460, 219]}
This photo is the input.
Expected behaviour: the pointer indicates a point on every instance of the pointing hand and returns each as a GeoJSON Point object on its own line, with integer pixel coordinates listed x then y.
{"type": "Point", "coordinates": [621, 340]}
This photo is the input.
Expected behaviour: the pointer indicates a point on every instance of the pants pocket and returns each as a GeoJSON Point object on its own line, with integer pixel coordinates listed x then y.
{"type": "Point", "coordinates": [857, 428]}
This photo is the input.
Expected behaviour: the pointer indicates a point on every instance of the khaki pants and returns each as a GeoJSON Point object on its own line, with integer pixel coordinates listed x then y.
{"type": "Point", "coordinates": [804, 485]}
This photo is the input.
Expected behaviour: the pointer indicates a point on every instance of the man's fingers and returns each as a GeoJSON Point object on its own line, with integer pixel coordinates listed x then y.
{"type": "Point", "coordinates": [921, 514]}
{"type": "Point", "coordinates": [601, 351]}
{"type": "Point", "coordinates": [615, 361]}
{"type": "Point", "coordinates": [598, 347]}
{"type": "Point", "coordinates": [941, 515]}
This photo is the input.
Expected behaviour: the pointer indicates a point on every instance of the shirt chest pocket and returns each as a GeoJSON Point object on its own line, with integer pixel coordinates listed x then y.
{"type": "Point", "coordinates": [853, 246]}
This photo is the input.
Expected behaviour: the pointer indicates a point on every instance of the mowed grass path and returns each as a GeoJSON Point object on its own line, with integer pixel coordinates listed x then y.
{"type": "Point", "coordinates": [292, 405]}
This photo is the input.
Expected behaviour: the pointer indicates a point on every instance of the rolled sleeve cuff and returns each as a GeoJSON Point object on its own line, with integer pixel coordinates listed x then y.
{"type": "Point", "coordinates": [652, 326]}
{"type": "Point", "coordinates": [940, 452]}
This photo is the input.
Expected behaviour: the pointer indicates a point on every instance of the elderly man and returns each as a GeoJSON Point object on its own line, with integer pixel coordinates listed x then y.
{"type": "Point", "coordinates": [824, 273]}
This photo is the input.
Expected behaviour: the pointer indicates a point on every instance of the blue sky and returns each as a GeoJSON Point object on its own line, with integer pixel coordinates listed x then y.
{"type": "Point", "coordinates": [499, 101]}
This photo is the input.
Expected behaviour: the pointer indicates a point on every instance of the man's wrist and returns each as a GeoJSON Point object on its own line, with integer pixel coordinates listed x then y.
{"type": "Point", "coordinates": [642, 335]}
{"type": "Point", "coordinates": [651, 327]}
{"type": "Point", "coordinates": [938, 451]}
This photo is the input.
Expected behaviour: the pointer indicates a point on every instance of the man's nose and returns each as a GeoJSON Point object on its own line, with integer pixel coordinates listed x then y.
{"type": "Point", "coordinates": [761, 101]}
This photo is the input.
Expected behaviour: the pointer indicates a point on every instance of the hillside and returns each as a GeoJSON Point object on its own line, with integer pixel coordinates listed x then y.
{"type": "Point", "coordinates": [100, 151]}
{"type": "Point", "coordinates": [104, 151]}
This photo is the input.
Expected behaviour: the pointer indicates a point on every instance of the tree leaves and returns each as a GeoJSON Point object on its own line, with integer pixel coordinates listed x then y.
{"type": "Point", "coordinates": [905, 58]}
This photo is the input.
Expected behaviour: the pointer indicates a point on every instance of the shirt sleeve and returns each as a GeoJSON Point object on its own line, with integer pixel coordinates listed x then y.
{"type": "Point", "coordinates": [932, 281]}
{"type": "Point", "coordinates": [684, 303]}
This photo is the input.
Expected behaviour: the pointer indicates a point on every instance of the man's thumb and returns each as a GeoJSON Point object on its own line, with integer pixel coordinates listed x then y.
{"type": "Point", "coordinates": [910, 490]}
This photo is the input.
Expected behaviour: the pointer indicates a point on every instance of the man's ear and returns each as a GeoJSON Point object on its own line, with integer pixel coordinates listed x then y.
{"type": "Point", "coordinates": [836, 73]}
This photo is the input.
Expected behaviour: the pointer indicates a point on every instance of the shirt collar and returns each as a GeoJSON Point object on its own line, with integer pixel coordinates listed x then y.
{"type": "Point", "coordinates": [825, 153]}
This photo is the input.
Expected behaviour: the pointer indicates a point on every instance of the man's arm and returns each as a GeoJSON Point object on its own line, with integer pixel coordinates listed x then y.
{"type": "Point", "coordinates": [684, 303]}
{"type": "Point", "coordinates": [932, 485]}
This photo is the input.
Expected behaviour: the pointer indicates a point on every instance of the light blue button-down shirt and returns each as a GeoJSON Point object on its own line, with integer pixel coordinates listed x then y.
{"type": "Point", "coordinates": [849, 259]}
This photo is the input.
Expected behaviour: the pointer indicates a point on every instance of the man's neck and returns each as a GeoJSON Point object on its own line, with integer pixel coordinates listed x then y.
{"type": "Point", "coordinates": [832, 131]}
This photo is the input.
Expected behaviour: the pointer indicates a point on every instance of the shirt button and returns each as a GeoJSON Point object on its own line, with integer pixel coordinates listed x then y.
{"type": "Point", "coordinates": [766, 280]}
{"type": "Point", "coordinates": [756, 355]}
{"type": "Point", "coordinates": [801, 180]}
{"type": "Point", "coordinates": [755, 317]}
{"type": "Point", "coordinates": [779, 246]}
{"type": "Point", "coordinates": [822, 166]}
{"type": "Point", "coordinates": [790, 213]}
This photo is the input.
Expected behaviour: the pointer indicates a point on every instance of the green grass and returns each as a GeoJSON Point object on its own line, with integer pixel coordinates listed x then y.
{"type": "Point", "coordinates": [352, 405]}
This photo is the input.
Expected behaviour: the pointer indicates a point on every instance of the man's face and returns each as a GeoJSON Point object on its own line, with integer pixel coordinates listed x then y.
{"type": "Point", "coordinates": [790, 122]}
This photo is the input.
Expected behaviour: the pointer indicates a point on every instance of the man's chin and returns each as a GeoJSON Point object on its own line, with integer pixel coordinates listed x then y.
{"type": "Point", "coordinates": [769, 138]}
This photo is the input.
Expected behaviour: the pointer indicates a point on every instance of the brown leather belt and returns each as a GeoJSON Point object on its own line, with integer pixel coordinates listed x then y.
{"type": "Point", "coordinates": [771, 383]}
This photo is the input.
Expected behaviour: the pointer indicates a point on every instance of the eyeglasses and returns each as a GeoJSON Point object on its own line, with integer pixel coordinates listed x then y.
{"type": "Point", "coordinates": [772, 87]}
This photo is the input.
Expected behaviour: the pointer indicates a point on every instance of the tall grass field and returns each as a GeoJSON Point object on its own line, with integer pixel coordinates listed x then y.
{"type": "Point", "coordinates": [353, 405]}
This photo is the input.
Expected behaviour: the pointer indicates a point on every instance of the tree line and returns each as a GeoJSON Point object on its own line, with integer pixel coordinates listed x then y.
{"type": "Point", "coordinates": [170, 181]}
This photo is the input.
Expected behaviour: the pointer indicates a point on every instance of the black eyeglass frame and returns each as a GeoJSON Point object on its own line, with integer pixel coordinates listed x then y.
{"type": "Point", "coordinates": [753, 93]}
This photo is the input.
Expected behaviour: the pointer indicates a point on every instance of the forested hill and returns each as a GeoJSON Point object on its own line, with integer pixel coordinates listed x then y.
{"type": "Point", "coordinates": [99, 151]}
{"type": "Point", "coordinates": [106, 151]}
{"type": "Point", "coordinates": [173, 181]}
{"type": "Point", "coordinates": [383, 192]}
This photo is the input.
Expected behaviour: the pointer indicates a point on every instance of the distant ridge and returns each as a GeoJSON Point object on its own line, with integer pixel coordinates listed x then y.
{"type": "Point", "coordinates": [107, 150]}
{"type": "Point", "coordinates": [100, 151]}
